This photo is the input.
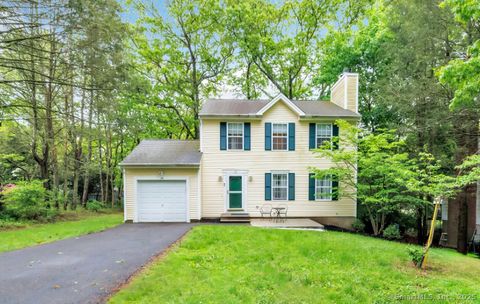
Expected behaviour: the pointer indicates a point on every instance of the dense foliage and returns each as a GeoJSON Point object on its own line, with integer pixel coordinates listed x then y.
{"type": "Point", "coordinates": [389, 181]}
{"type": "Point", "coordinates": [26, 201]}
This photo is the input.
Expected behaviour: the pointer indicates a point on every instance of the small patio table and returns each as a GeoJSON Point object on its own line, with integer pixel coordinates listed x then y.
{"type": "Point", "coordinates": [277, 211]}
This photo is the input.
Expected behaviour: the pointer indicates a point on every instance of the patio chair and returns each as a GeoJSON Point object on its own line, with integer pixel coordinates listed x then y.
{"type": "Point", "coordinates": [266, 209]}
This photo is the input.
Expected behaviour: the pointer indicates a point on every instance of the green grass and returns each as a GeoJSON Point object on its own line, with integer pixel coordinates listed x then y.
{"type": "Point", "coordinates": [71, 224]}
{"type": "Point", "coordinates": [240, 264]}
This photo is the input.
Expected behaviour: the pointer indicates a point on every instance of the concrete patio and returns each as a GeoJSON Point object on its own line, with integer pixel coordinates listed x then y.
{"type": "Point", "coordinates": [285, 223]}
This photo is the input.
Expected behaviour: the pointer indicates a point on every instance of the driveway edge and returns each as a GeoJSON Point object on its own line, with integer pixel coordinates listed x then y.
{"type": "Point", "coordinates": [155, 258]}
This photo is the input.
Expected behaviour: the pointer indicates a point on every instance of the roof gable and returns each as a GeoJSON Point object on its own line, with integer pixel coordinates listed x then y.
{"type": "Point", "coordinates": [284, 99]}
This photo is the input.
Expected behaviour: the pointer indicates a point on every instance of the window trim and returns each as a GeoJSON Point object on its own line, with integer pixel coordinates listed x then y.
{"type": "Point", "coordinates": [243, 135]}
{"type": "Point", "coordinates": [331, 191]}
{"type": "Point", "coordinates": [287, 136]}
{"type": "Point", "coordinates": [316, 134]}
{"type": "Point", "coordinates": [287, 186]}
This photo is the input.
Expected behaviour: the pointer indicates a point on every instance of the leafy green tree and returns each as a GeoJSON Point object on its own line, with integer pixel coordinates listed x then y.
{"type": "Point", "coordinates": [185, 55]}
{"type": "Point", "coordinates": [283, 40]}
{"type": "Point", "coordinates": [388, 179]}
{"type": "Point", "coordinates": [462, 74]}
{"type": "Point", "coordinates": [362, 51]}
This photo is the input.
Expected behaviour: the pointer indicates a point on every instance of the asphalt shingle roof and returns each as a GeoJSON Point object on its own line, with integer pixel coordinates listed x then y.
{"type": "Point", "coordinates": [236, 107]}
{"type": "Point", "coordinates": [165, 152]}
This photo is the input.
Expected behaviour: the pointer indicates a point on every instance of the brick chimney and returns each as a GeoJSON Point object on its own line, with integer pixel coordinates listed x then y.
{"type": "Point", "coordinates": [345, 91]}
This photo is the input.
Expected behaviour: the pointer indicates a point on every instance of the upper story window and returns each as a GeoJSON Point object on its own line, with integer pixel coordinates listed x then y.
{"type": "Point", "coordinates": [279, 186]}
{"type": "Point", "coordinates": [235, 135]}
{"type": "Point", "coordinates": [279, 136]}
{"type": "Point", "coordinates": [323, 133]}
{"type": "Point", "coordinates": [323, 189]}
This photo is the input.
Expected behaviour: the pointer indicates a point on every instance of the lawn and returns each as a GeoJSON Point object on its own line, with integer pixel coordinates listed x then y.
{"type": "Point", "coordinates": [241, 264]}
{"type": "Point", "coordinates": [71, 224]}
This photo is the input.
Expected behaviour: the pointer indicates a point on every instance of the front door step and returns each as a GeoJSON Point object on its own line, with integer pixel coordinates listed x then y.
{"type": "Point", "coordinates": [235, 217]}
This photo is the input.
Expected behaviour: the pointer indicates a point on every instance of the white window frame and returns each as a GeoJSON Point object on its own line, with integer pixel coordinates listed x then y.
{"type": "Point", "coordinates": [243, 136]}
{"type": "Point", "coordinates": [317, 197]}
{"type": "Point", "coordinates": [316, 134]}
{"type": "Point", "coordinates": [287, 186]}
{"type": "Point", "coordinates": [287, 136]}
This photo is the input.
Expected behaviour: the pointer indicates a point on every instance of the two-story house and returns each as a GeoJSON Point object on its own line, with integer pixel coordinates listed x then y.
{"type": "Point", "coordinates": [250, 152]}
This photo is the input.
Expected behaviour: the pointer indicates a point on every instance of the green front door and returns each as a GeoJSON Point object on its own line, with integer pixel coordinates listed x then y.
{"type": "Point", "coordinates": [234, 192]}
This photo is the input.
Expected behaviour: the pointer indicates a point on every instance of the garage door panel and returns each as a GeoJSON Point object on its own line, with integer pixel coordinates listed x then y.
{"type": "Point", "coordinates": [162, 201]}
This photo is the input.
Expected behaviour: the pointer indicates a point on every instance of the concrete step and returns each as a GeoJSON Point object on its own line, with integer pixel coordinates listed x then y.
{"type": "Point", "coordinates": [234, 220]}
{"type": "Point", "coordinates": [235, 217]}
{"type": "Point", "coordinates": [235, 214]}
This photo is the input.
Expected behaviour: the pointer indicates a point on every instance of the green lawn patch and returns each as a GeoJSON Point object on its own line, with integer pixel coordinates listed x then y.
{"type": "Point", "coordinates": [241, 264]}
{"type": "Point", "coordinates": [71, 224]}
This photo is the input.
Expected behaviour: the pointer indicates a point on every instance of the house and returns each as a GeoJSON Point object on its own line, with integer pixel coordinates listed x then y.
{"type": "Point", "coordinates": [250, 152]}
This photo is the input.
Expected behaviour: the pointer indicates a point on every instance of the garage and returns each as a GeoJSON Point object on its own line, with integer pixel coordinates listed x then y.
{"type": "Point", "coordinates": [162, 181]}
{"type": "Point", "coordinates": [162, 201]}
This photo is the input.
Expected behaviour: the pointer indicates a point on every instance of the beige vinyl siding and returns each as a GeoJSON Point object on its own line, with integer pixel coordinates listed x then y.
{"type": "Point", "coordinates": [258, 162]}
{"type": "Point", "coordinates": [191, 174]}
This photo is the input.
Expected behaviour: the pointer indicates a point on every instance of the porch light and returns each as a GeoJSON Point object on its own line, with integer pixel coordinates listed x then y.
{"type": "Point", "coordinates": [220, 178]}
{"type": "Point", "coordinates": [250, 178]}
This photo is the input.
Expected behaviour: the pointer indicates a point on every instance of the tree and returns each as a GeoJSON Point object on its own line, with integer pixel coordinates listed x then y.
{"type": "Point", "coordinates": [62, 65]}
{"type": "Point", "coordinates": [388, 179]}
{"type": "Point", "coordinates": [283, 40]}
{"type": "Point", "coordinates": [462, 75]}
{"type": "Point", "coordinates": [185, 56]}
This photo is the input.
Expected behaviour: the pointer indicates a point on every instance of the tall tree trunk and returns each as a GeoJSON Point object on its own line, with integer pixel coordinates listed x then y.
{"type": "Point", "coordinates": [42, 161]}
{"type": "Point", "coordinates": [65, 157]}
{"type": "Point", "coordinates": [100, 158]}
{"type": "Point", "coordinates": [462, 204]}
{"type": "Point", "coordinates": [467, 141]}
{"type": "Point", "coordinates": [88, 159]}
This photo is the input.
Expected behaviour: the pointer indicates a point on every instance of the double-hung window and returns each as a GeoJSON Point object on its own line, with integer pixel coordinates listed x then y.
{"type": "Point", "coordinates": [235, 135]}
{"type": "Point", "coordinates": [279, 136]}
{"type": "Point", "coordinates": [279, 186]}
{"type": "Point", "coordinates": [323, 134]}
{"type": "Point", "coordinates": [323, 188]}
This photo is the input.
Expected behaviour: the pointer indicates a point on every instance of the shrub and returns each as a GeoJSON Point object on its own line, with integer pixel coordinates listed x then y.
{"type": "Point", "coordinates": [26, 201]}
{"type": "Point", "coordinates": [392, 232]}
{"type": "Point", "coordinates": [358, 225]}
{"type": "Point", "coordinates": [416, 254]}
{"type": "Point", "coordinates": [94, 205]}
{"type": "Point", "coordinates": [9, 223]}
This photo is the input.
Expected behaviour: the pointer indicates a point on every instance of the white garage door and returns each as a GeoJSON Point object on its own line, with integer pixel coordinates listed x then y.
{"type": "Point", "coordinates": [162, 201]}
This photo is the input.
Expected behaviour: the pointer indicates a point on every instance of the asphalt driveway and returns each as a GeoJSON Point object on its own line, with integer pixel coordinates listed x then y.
{"type": "Point", "coordinates": [84, 269]}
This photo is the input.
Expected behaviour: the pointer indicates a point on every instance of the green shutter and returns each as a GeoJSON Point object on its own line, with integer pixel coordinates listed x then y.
{"type": "Point", "coordinates": [334, 188]}
{"type": "Point", "coordinates": [268, 136]}
{"type": "Point", "coordinates": [311, 136]}
{"type": "Point", "coordinates": [335, 134]}
{"type": "Point", "coordinates": [246, 136]}
{"type": "Point", "coordinates": [291, 136]}
{"type": "Point", "coordinates": [311, 186]}
{"type": "Point", "coordinates": [223, 136]}
{"type": "Point", "coordinates": [291, 186]}
{"type": "Point", "coordinates": [268, 186]}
